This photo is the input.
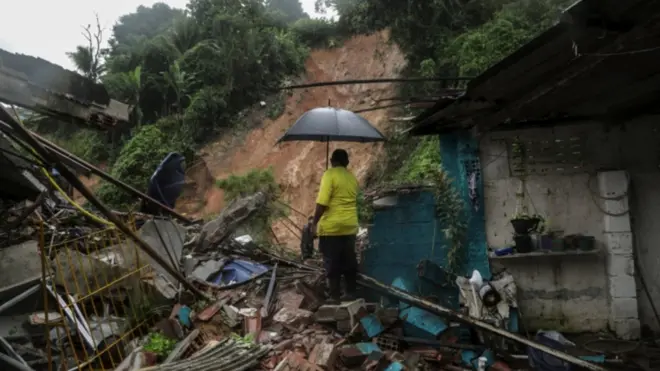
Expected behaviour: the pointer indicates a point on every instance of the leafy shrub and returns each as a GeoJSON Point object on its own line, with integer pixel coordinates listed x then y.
{"type": "Point", "coordinates": [137, 162]}
{"type": "Point", "coordinates": [160, 345]}
{"type": "Point", "coordinates": [424, 160]}
{"type": "Point", "coordinates": [207, 114]}
{"type": "Point", "coordinates": [256, 180]}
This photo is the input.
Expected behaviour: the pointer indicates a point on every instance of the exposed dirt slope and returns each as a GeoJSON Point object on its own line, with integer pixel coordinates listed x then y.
{"type": "Point", "coordinates": [298, 166]}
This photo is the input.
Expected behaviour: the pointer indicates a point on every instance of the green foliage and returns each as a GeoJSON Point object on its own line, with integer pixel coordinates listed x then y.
{"type": "Point", "coordinates": [145, 22]}
{"type": "Point", "coordinates": [207, 115]}
{"type": "Point", "coordinates": [365, 209]}
{"type": "Point", "coordinates": [277, 106]}
{"type": "Point", "coordinates": [137, 161]}
{"type": "Point", "coordinates": [256, 180]}
{"type": "Point", "coordinates": [286, 10]}
{"type": "Point", "coordinates": [424, 160]}
{"type": "Point", "coordinates": [87, 61]}
{"type": "Point", "coordinates": [479, 48]}
{"type": "Point", "coordinates": [450, 211]}
{"type": "Point", "coordinates": [159, 344]}
{"type": "Point", "coordinates": [187, 76]}
{"type": "Point", "coordinates": [246, 340]}
{"type": "Point", "coordinates": [317, 33]}
{"type": "Point", "coordinates": [90, 145]}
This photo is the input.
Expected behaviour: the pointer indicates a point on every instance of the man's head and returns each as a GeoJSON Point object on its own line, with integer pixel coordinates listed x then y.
{"type": "Point", "coordinates": [339, 158]}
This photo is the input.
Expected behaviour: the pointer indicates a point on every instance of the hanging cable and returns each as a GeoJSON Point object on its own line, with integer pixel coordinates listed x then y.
{"type": "Point", "coordinates": [58, 188]}
{"type": "Point", "coordinates": [375, 81]}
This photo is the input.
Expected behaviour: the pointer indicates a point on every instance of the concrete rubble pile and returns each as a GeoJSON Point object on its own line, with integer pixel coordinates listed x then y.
{"type": "Point", "coordinates": [256, 310]}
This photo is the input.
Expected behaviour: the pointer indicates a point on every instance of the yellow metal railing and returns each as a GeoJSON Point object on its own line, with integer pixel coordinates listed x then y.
{"type": "Point", "coordinates": [100, 284]}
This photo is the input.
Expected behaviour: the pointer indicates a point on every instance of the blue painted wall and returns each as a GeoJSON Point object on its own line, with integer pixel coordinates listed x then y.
{"type": "Point", "coordinates": [403, 235]}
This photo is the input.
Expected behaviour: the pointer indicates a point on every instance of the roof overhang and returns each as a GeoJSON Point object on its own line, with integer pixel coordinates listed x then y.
{"type": "Point", "coordinates": [599, 61]}
{"type": "Point", "coordinates": [43, 87]}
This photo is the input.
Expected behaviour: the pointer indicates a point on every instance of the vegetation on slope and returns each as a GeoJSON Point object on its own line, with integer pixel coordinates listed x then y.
{"type": "Point", "coordinates": [443, 38]}
{"type": "Point", "coordinates": [189, 73]}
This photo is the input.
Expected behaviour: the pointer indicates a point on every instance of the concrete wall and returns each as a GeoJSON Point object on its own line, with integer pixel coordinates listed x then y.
{"type": "Point", "coordinates": [562, 294]}
{"type": "Point", "coordinates": [574, 294]}
{"type": "Point", "coordinates": [646, 227]}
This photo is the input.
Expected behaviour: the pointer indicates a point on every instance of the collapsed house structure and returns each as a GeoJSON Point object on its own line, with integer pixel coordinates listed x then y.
{"type": "Point", "coordinates": [173, 295]}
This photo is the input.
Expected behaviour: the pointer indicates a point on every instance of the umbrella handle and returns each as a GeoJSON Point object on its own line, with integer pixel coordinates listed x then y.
{"type": "Point", "coordinates": [327, 152]}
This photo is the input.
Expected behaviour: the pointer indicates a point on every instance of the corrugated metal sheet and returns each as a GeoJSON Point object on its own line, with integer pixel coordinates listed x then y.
{"type": "Point", "coordinates": [228, 355]}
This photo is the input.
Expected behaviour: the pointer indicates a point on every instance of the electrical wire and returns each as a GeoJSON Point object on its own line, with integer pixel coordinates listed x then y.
{"type": "Point", "coordinates": [58, 188]}
{"type": "Point", "coordinates": [375, 81]}
{"type": "Point", "coordinates": [577, 53]}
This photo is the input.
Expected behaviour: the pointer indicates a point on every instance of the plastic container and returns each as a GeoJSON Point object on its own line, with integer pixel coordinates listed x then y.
{"type": "Point", "coordinates": [523, 244]}
{"type": "Point", "coordinates": [546, 242]}
{"type": "Point", "coordinates": [586, 243]}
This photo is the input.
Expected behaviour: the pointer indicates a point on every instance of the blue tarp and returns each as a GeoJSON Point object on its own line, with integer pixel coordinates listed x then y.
{"type": "Point", "coordinates": [166, 184]}
{"type": "Point", "coordinates": [238, 271]}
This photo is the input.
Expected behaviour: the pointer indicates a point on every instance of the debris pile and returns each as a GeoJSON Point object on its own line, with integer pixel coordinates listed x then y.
{"type": "Point", "coordinates": [210, 298]}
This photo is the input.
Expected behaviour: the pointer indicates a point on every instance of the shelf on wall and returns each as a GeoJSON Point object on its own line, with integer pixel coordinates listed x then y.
{"type": "Point", "coordinates": [546, 254]}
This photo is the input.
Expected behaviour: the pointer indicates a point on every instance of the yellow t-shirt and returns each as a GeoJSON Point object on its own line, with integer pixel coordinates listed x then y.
{"type": "Point", "coordinates": [338, 191]}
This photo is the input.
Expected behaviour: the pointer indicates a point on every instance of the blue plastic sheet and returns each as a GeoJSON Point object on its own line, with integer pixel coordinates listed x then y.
{"type": "Point", "coordinates": [238, 271]}
{"type": "Point", "coordinates": [166, 183]}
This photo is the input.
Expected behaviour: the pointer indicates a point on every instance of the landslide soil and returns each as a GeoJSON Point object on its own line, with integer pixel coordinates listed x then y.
{"type": "Point", "coordinates": [298, 166]}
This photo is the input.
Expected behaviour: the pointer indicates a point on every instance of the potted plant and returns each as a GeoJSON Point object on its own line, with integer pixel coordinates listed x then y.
{"type": "Point", "coordinates": [524, 224]}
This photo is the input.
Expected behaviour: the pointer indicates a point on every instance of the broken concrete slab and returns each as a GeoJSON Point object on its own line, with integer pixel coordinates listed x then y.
{"type": "Point", "coordinates": [323, 355]}
{"type": "Point", "coordinates": [232, 216]}
{"type": "Point", "coordinates": [289, 299]}
{"type": "Point", "coordinates": [293, 317]}
{"type": "Point", "coordinates": [207, 268]}
{"type": "Point", "coordinates": [19, 263]}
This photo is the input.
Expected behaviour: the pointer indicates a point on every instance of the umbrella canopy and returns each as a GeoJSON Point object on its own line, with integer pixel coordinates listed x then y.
{"type": "Point", "coordinates": [329, 124]}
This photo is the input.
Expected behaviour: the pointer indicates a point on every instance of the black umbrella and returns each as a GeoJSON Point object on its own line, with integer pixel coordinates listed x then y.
{"type": "Point", "coordinates": [328, 124]}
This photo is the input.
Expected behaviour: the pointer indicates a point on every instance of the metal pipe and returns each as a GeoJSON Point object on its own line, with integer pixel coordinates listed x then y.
{"type": "Point", "coordinates": [5, 344]}
{"type": "Point", "coordinates": [11, 302]}
{"type": "Point", "coordinates": [14, 363]}
{"type": "Point", "coordinates": [77, 184]}
{"type": "Point", "coordinates": [442, 311]}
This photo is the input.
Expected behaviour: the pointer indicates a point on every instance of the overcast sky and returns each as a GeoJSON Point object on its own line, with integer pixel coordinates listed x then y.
{"type": "Point", "coordinates": [50, 28]}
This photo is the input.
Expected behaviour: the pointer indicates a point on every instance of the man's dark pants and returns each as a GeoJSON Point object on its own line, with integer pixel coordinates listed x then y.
{"type": "Point", "coordinates": [339, 259]}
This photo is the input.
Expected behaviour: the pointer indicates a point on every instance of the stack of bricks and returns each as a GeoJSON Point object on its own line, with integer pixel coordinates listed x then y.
{"type": "Point", "coordinates": [622, 288]}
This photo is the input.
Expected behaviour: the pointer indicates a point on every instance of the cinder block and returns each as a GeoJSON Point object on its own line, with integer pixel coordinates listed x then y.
{"type": "Point", "coordinates": [620, 265]}
{"type": "Point", "coordinates": [623, 308]}
{"type": "Point", "coordinates": [622, 287]}
{"type": "Point", "coordinates": [618, 208]}
{"type": "Point", "coordinates": [616, 223]}
{"type": "Point", "coordinates": [613, 183]}
{"type": "Point", "coordinates": [626, 329]}
{"type": "Point", "coordinates": [619, 243]}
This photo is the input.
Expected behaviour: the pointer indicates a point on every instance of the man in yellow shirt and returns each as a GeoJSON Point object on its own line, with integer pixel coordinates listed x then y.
{"type": "Point", "coordinates": [336, 224]}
